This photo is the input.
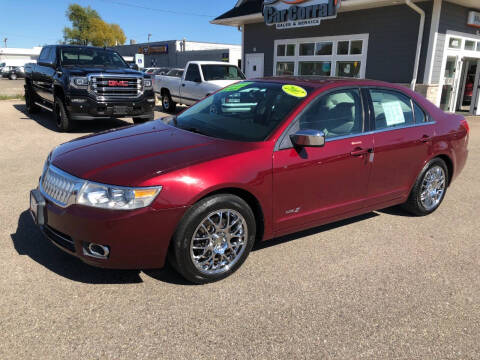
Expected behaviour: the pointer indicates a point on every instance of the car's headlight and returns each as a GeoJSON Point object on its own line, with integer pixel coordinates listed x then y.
{"type": "Point", "coordinates": [79, 82]}
{"type": "Point", "coordinates": [115, 197]}
{"type": "Point", "coordinates": [147, 83]}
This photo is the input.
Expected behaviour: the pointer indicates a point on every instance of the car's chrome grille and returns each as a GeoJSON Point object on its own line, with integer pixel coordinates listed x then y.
{"type": "Point", "coordinates": [59, 186]}
{"type": "Point", "coordinates": [106, 87]}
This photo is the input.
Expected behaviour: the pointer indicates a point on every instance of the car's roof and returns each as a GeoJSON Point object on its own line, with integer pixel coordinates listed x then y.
{"type": "Point", "coordinates": [321, 81]}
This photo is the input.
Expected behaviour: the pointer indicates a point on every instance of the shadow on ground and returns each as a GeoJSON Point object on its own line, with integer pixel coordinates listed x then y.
{"type": "Point", "coordinates": [29, 241]}
{"type": "Point", "coordinates": [46, 119]}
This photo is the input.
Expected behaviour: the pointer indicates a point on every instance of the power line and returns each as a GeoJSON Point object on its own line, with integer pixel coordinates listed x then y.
{"type": "Point", "coordinates": [156, 9]}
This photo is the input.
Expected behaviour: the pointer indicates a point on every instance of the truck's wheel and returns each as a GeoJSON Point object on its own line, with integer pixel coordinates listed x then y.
{"type": "Point", "coordinates": [167, 103]}
{"type": "Point", "coordinates": [13, 76]}
{"type": "Point", "coordinates": [62, 119]}
{"type": "Point", "coordinates": [32, 108]}
{"type": "Point", "coordinates": [141, 120]}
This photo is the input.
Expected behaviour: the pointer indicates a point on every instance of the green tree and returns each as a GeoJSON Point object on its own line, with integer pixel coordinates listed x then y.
{"type": "Point", "coordinates": [88, 28]}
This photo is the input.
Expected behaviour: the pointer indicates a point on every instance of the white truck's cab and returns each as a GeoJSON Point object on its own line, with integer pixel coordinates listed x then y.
{"type": "Point", "coordinates": [199, 79]}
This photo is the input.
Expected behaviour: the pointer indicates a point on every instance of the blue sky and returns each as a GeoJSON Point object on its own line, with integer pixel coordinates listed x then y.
{"type": "Point", "coordinates": [28, 23]}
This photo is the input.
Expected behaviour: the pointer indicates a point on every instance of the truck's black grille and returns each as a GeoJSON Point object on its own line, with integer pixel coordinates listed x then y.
{"type": "Point", "coordinates": [111, 87]}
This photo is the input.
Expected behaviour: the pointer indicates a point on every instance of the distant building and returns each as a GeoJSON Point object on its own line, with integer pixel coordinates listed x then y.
{"type": "Point", "coordinates": [18, 56]}
{"type": "Point", "coordinates": [176, 53]}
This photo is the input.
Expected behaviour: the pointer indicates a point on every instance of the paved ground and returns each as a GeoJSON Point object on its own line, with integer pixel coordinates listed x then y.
{"type": "Point", "coordinates": [380, 286]}
{"type": "Point", "coordinates": [11, 87]}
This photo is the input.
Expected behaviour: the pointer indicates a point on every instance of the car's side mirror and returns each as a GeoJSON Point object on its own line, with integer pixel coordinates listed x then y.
{"type": "Point", "coordinates": [134, 67]}
{"type": "Point", "coordinates": [308, 138]}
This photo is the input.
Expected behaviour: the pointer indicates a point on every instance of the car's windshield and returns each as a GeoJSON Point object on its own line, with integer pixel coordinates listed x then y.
{"type": "Point", "coordinates": [245, 111]}
{"type": "Point", "coordinates": [91, 57]}
{"type": "Point", "coordinates": [221, 72]}
{"type": "Point", "coordinates": [2, 64]}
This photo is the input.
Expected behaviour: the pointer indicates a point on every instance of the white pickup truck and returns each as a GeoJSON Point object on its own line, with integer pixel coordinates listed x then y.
{"type": "Point", "coordinates": [199, 79]}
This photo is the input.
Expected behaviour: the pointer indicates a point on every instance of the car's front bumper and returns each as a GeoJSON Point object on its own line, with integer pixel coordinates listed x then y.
{"type": "Point", "coordinates": [87, 108]}
{"type": "Point", "coordinates": [136, 239]}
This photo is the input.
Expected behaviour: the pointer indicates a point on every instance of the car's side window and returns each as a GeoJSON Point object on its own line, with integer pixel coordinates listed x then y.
{"type": "Point", "coordinates": [52, 56]}
{"type": "Point", "coordinates": [44, 54]}
{"type": "Point", "coordinates": [193, 74]}
{"type": "Point", "coordinates": [391, 109]}
{"type": "Point", "coordinates": [336, 114]}
{"type": "Point", "coordinates": [420, 116]}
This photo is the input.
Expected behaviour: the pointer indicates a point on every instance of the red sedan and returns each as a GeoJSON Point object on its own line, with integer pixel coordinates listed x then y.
{"type": "Point", "coordinates": [256, 160]}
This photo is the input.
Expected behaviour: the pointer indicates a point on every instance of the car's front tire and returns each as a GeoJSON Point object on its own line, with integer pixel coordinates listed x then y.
{"type": "Point", "coordinates": [429, 189]}
{"type": "Point", "coordinates": [168, 105]}
{"type": "Point", "coordinates": [13, 77]}
{"type": "Point", "coordinates": [213, 239]}
{"type": "Point", "coordinates": [30, 105]}
{"type": "Point", "coordinates": [62, 118]}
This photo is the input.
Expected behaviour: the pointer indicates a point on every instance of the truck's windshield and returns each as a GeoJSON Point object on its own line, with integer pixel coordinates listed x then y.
{"type": "Point", "coordinates": [245, 111]}
{"type": "Point", "coordinates": [221, 72]}
{"type": "Point", "coordinates": [91, 57]}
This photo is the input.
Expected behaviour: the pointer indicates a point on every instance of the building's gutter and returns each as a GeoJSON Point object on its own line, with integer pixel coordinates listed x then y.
{"type": "Point", "coordinates": [419, 42]}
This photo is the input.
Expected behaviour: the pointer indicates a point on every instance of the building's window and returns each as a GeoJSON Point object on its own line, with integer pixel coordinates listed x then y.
{"type": "Point", "coordinates": [470, 45]}
{"type": "Point", "coordinates": [455, 43]}
{"type": "Point", "coordinates": [342, 47]}
{"type": "Point", "coordinates": [307, 49]}
{"type": "Point", "coordinates": [291, 50]}
{"type": "Point", "coordinates": [324, 48]}
{"type": "Point", "coordinates": [286, 50]}
{"type": "Point", "coordinates": [323, 68]}
{"type": "Point", "coordinates": [348, 68]}
{"type": "Point", "coordinates": [285, 68]}
{"type": "Point", "coordinates": [356, 47]}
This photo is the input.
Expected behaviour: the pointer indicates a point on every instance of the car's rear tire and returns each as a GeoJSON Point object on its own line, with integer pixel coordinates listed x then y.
{"type": "Point", "coordinates": [30, 97]}
{"type": "Point", "coordinates": [168, 105]}
{"type": "Point", "coordinates": [141, 120]}
{"type": "Point", "coordinates": [62, 118]}
{"type": "Point", "coordinates": [213, 239]}
{"type": "Point", "coordinates": [429, 189]}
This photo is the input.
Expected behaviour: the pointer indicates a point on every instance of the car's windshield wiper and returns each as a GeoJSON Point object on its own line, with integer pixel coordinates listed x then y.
{"type": "Point", "coordinates": [195, 130]}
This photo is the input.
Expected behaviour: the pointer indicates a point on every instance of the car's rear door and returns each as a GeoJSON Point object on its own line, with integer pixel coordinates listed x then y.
{"type": "Point", "coordinates": [313, 185]}
{"type": "Point", "coordinates": [403, 134]}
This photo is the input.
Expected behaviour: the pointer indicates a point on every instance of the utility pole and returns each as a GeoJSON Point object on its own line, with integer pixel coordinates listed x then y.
{"type": "Point", "coordinates": [149, 35]}
{"type": "Point", "coordinates": [5, 41]}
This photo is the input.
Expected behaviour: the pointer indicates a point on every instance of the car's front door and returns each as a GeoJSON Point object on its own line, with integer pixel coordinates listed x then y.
{"type": "Point", "coordinates": [402, 143]}
{"type": "Point", "coordinates": [192, 88]}
{"type": "Point", "coordinates": [315, 184]}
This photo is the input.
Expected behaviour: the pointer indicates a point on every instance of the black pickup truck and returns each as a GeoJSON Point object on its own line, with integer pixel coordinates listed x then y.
{"type": "Point", "coordinates": [87, 83]}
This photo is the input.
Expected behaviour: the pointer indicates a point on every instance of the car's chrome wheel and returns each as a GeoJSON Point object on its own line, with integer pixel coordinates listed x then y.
{"type": "Point", "coordinates": [433, 187]}
{"type": "Point", "coordinates": [219, 241]}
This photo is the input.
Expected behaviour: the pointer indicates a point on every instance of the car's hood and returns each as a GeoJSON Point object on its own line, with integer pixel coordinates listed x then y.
{"type": "Point", "coordinates": [135, 154]}
{"type": "Point", "coordinates": [222, 83]}
{"type": "Point", "coordinates": [82, 71]}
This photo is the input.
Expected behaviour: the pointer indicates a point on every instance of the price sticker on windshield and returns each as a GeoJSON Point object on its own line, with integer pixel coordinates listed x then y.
{"type": "Point", "coordinates": [294, 90]}
{"type": "Point", "coordinates": [236, 87]}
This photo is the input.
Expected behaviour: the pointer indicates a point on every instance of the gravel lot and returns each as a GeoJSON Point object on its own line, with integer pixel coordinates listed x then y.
{"type": "Point", "coordinates": [379, 286]}
{"type": "Point", "coordinates": [11, 87]}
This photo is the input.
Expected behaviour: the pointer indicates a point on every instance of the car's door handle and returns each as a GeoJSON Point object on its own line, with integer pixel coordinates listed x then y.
{"type": "Point", "coordinates": [360, 152]}
{"type": "Point", "coordinates": [425, 138]}
{"type": "Point", "coordinates": [183, 85]}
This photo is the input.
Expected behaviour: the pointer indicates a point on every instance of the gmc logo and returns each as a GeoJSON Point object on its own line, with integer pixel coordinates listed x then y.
{"type": "Point", "coordinates": [123, 83]}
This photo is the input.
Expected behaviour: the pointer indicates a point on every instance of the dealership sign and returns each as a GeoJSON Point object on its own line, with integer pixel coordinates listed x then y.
{"type": "Point", "coordinates": [474, 19]}
{"type": "Point", "coordinates": [287, 14]}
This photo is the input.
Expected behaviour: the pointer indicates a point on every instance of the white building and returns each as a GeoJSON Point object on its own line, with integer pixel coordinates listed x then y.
{"type": "Point", "coordinates": [18, 56]}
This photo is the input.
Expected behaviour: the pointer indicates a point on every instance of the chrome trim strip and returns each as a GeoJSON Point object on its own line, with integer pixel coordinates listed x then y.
{"type": "Point", "coordinates": [43, 106]}
{"type": "Point", "coordinates": [380, 131]}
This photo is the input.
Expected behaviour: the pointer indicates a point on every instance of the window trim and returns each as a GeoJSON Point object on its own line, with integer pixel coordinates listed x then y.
{"type": "Point", "coordinates": [297, 58]}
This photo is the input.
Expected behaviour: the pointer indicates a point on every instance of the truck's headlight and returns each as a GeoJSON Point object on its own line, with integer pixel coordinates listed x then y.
{"type": "Point", "coordinates": [147, 83]}
{"type": "Point", "coordinates": [79, 82]}
{"type": "Point", "coordinates": [115, 197]}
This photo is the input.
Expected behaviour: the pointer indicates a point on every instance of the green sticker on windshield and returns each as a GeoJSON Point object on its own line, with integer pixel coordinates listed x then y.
{"type": "Point", "coordinates": [237, 86]}
{"type": "Point", "coordinates": [294, 90]}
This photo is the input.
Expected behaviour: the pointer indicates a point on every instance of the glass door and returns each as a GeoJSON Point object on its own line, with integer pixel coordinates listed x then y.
{"type": "Point", "coordinates": [450, 84]}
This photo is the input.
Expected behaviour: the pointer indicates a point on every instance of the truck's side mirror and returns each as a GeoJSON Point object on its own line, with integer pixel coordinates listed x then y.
{"type": "Point", "coordinates": [134, 66]}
